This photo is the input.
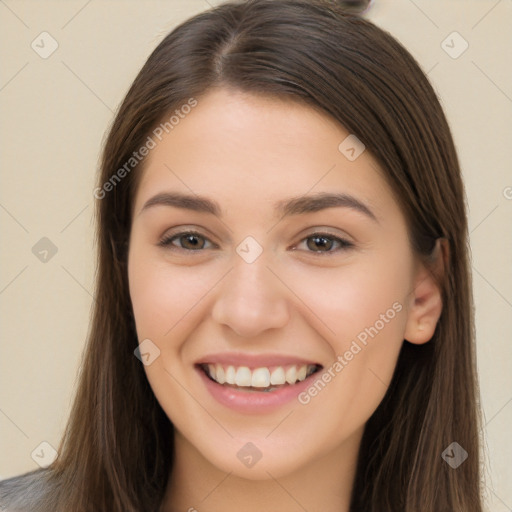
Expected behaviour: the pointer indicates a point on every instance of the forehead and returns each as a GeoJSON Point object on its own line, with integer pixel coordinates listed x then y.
{"type": "Point", "coordinates": [257, 150]}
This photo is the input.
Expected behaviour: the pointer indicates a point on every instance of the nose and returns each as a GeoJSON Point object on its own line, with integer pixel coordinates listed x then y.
{"type": "Point", "coordinates": [251, 299]}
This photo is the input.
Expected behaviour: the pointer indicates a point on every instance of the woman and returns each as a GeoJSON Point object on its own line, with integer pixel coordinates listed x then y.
{"type": "Point", "coordinates": [283, 314]}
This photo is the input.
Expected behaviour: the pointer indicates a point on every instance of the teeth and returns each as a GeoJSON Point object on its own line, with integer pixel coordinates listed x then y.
{"type": "Point", "coordinates": [230, 375]}
{"type": "Point", "coordinates": [259, 377]}
{"type": "Point", "coordinates": [220, 376]}
{"type": "Point", "coordinates": [301, 373]}
{"type": "Point", "coordinates": [278, 376]}
{"type": "Point", "coordinates": [291, 375]}
{"type": "Point", "coordinates": [243, 376]}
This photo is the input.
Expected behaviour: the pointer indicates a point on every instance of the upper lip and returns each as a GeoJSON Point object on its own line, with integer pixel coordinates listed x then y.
{"type": "Point", "coordinates": [253, 360]}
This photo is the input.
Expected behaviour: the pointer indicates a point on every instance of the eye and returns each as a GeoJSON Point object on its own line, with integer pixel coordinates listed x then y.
{"type": "Point", "coordinates": [194, 241]}
{"type": "Point", "coordinates": [325, 242]}
{"type": "Point", "coordinates": [186, 240]}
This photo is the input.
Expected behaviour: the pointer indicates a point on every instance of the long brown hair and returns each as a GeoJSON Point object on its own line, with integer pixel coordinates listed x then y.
{"type": "Point", "coordinates": [117, 450]}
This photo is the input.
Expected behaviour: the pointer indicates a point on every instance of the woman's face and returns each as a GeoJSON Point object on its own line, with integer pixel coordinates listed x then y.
{"type": "Point", "coordinates": [266, 246]}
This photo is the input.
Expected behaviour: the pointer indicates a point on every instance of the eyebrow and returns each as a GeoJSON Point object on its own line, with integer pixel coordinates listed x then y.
{"type": "Point", "coordinates": [292, 206]}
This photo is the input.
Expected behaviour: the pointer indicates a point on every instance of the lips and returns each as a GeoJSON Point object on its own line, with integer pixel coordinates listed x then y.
{"type": "Point", "coordinates": [252, 395]}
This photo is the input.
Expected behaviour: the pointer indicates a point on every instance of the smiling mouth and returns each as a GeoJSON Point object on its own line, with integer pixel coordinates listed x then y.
{"type": "Point", "coordinates": [263, 379]}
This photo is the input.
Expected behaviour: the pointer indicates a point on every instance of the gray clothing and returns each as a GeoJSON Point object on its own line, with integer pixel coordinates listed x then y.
{"type": "Point", "coordinates": [25, 493]}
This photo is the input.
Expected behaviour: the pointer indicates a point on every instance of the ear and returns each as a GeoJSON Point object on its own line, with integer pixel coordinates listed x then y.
{"type": "Point", "coordinates": [426, 302]}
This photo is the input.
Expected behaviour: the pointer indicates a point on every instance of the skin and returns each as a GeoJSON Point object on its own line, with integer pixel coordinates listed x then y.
{"type": "Point", "coordinates": [247, 152]}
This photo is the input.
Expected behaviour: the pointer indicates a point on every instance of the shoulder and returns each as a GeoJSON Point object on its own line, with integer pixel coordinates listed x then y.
{"type": "Point", "coordinates": [25, 492]}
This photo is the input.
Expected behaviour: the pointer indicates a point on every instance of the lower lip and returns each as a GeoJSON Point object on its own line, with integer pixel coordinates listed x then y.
{"type": "Point", "coordinates": [255, 402]}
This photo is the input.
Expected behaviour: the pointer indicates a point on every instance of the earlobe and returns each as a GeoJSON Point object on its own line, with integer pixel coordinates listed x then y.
{"type": "Point", "coordinates": [426, 301]}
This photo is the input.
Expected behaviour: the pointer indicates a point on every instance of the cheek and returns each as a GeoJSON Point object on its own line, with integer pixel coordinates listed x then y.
{"type": "Point", "coordinates": [152, 299]}
{"type": "Point", "coordinates": [363, 306]}
{"type": "Point", "coordinates": [162, 295]}
{"type": "Point", "coordinates": [165, 300]}
{"type": "Point", "coordinates": [349, 299]}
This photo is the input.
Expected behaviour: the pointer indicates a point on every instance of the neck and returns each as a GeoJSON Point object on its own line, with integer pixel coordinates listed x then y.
{"type": "Point", "coordinates": [195, 485]}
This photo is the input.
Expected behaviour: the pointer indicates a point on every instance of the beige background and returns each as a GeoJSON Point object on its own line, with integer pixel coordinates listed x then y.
{"type": "Point", "coordinates": [54, 114]}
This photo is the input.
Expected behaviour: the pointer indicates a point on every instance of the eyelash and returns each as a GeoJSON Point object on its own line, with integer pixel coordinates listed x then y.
{"type": "Point", "coordinates": [343, 243]}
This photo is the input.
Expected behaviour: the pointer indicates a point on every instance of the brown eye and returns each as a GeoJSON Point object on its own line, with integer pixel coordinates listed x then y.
{"type": "Point", "coordinates": [320, 243]}
{"type": "Point", "coordinates": [188, 241]}
{"type": "Point", "coordinates": [191, 241]}
{"type": "Point", "coordinates": [324, 243]}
